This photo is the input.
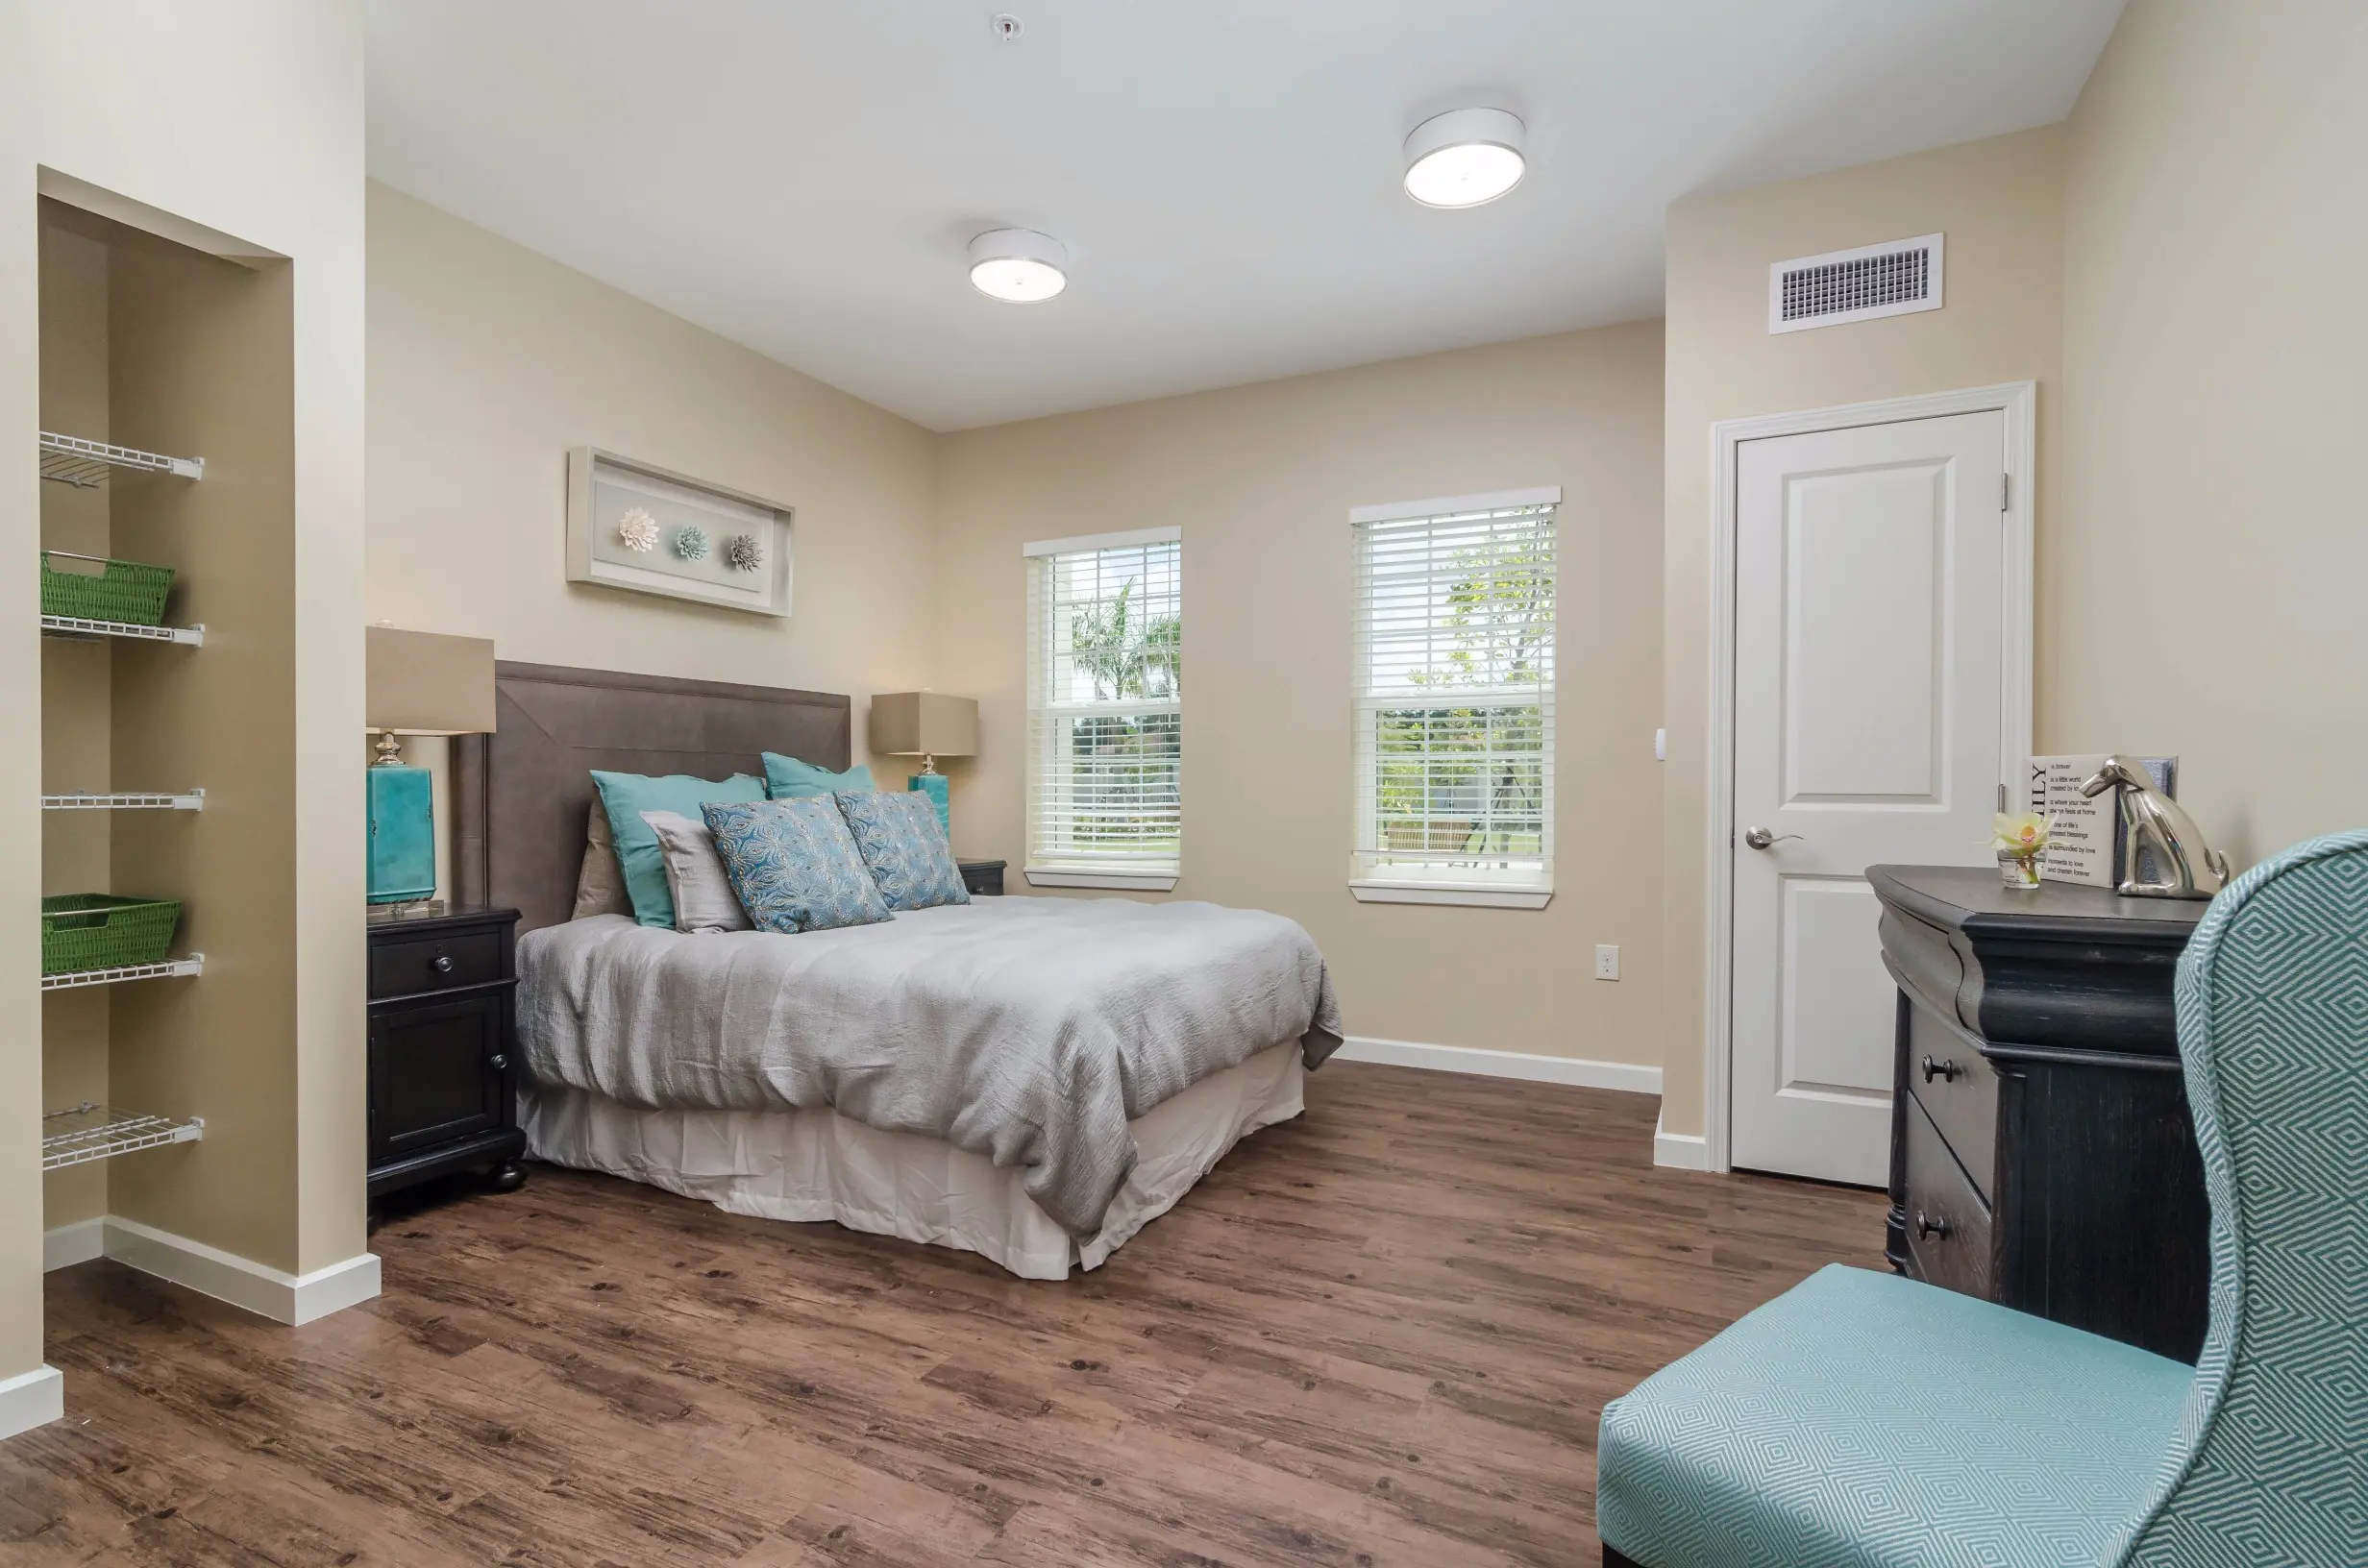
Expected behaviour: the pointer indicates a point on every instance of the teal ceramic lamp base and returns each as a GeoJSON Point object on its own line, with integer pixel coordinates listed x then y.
{"type": "Point", "coordinates": [402, 833]}
{"type": "Point", "coordinates": [933, 785]}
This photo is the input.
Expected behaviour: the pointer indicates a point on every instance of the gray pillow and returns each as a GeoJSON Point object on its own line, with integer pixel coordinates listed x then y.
{"type": "Point", "coordinates": [600, 883]}
{"type": "Point", "coordinates": [703, 899]}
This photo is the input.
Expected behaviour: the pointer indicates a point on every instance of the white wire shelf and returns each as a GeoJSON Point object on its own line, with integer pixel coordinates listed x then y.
{"type": "Point", "coordinates": [72, 979]}
{"type": "Point", "coordinates": [69, 459]}
{"type": "Point", "coordinates": [90, 1131]}
{"type": "Point", "coordinates": [126, 800]}
{"type": "Point", "coordinates": [74, 626]}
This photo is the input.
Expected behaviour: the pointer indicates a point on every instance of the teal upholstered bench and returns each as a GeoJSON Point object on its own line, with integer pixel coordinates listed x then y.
{"type": "Point", "coordinates": [1865, 1421]}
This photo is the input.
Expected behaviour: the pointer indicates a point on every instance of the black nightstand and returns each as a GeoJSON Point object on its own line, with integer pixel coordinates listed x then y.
{"type": "Point", "coordinates": [443, 1048]}
{"type": "Point", "coordinates": [983, 877]}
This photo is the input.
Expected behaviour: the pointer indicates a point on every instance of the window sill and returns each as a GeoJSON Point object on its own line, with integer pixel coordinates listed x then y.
{"type": "Point", "coordinates": [1436, 893]}
{"type": "Point", "coordinates": [1047, 877]}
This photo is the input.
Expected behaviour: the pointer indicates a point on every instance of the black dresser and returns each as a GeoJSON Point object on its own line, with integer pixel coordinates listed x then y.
{"type": "Point", "coordinates": [2042, 1155]}
{"type": "Point", "coordinates": [443, 1038]}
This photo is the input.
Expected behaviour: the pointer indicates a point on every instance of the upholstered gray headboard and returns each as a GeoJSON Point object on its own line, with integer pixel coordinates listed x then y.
{"type": "Point", "coordinates": [520, 793]}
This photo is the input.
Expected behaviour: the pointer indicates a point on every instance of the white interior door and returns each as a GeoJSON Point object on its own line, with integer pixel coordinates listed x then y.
{"type": "Point", "coordinates": [1870, 613]}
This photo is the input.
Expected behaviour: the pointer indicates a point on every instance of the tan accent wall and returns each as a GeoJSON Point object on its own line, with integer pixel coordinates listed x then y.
{"type": "Point", "coordinates": [1261, 480]}
{"type": "Point", "coordinates": [245, 117]}
{"type": "Point", "coordinates": [200, 360]}
{"type": "Point", "coordinates": [489, 362]}
{"type": "Point", "coordinates": [2000, 204]}
{"type": "Point", "coordinates": [2205, 585]}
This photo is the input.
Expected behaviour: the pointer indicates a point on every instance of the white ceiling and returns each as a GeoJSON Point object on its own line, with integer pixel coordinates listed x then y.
{"type": "Point", "coordinates": [802, 175]}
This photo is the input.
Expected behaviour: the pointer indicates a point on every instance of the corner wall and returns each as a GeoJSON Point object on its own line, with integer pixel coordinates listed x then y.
{"type": "Point", "coordinates": [1261, 480]}
{"type": "Point", "coordinates": [2207, 581]}
{"type": "Point", "coordinates": [2000, 204]}
{"type": "Point", "coordinates": [245, 117]}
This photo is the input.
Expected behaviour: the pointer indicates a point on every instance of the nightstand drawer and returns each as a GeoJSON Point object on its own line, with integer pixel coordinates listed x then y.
{"type": "Point", "coordinates": [1948, 1224]}
{"type": "Point", "coordinates": [434, 963]}
{"type": "Point", "coordinates": [439, 1071]}
{"type": "Point", "coordinates": [1958, 1088]}
{"type": "Point", "coordinates": [984, 878]}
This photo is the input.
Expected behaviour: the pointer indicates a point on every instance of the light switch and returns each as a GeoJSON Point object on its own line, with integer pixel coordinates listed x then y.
{"type": "Point", "coordinates": [1607, 960]}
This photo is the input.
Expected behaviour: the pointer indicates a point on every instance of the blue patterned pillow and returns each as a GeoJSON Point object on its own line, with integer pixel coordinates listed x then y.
{"type": "Point", "coordinates": [794, 864]}
{"type": "Point", "coordinates": [900, 840]}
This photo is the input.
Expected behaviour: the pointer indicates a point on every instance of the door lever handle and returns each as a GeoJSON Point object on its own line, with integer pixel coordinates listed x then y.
{"type": "Point", "coordinates": [1760, 838]}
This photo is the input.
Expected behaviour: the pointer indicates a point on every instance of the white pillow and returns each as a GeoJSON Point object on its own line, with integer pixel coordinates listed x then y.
{"type": "Point", "coordinates": [703, 899]}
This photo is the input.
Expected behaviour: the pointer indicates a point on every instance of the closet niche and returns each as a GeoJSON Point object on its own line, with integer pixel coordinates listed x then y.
{"type": "Point", "coordinates": [168, 769]}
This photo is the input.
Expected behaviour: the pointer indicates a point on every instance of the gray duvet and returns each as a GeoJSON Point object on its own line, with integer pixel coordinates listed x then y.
{"type": "Point", "coordinates": [1028, 1030]}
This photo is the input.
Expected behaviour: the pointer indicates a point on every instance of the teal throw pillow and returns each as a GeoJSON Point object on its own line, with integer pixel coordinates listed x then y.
{"type": "Point", "coordinates": [900, 841]}
{"type": "Point", "coordinates": [794, 865]}
{"type": "Point", "coordinates": [624, 797]}
{"type": "Point", "coordinates": [789, 779]}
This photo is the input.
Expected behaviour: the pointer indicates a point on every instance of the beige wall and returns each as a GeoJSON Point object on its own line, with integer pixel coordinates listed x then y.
{"type": "Point", "coordinates": [245, 117]}
{"type": "Point", "coordinates": [1999, 203]}
{"type": "Point", "coordinates": [2205, 581]}
{"type": "Point", "coordinates": [1261, 480]}
{"type": "Point", "coordinates": [489, 362]}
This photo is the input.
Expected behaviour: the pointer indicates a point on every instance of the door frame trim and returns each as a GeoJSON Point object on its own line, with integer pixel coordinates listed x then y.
{"type": "Point", "coordinates": [2018, 401]}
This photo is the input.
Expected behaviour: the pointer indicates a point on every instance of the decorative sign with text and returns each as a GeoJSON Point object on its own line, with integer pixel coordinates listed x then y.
{"type": "Point", "coordinates": [2084, 836]}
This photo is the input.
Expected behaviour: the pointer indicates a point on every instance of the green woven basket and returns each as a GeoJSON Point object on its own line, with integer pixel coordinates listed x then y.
{"type": "Point", "coordinates": [124, 591]}
{"type": "Point", "coordinates": [98, 931]}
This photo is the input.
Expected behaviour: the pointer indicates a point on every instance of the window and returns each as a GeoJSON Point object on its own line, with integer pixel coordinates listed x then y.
{"type": "Point", "coordinates": [1455, 700]}
{"type": "Point", "coordinates": [1105, 634]}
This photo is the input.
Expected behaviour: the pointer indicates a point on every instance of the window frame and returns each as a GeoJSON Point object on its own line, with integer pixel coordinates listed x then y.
{"type": "Point", "coordinates": [1041, 869]}
{"type": "Point", "coordinates": [1510, 891]}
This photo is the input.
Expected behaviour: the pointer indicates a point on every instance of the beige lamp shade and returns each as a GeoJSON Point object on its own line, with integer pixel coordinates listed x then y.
{"type": "Point", "coordinates": [925, 724]}
{"type": "Point", "coordinates": [425, 683]}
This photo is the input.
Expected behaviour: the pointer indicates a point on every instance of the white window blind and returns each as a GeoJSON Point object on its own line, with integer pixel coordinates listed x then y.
{"type": "Point", "coordinates": [1455, 696]}
{"type": "Point", "coordinates": [1105, 633]}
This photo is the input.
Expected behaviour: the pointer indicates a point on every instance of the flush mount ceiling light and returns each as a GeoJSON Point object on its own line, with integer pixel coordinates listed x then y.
{"type": "Point", "coordinates": [1464, 157]}
{"type": "Point", "coordinates": [1018, 265]}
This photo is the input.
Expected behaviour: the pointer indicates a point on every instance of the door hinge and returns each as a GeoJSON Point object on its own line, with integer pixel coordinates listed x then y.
{"type": "Point", "coordinates": [2006, 492]}
{"type": "Point", "coordinates": [2002, 797]}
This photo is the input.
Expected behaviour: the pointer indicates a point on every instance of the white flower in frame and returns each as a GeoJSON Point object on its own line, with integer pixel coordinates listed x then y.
{"type": "Point", "coordinates": [638, 532]}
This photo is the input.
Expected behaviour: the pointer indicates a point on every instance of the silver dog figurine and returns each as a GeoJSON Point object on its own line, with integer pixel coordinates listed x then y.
{"type": "Point", "coordinates": [2152, 825]}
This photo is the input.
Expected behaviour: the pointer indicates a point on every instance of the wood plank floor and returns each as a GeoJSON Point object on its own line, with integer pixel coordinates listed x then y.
{"type": "Point", "coordinates": [1379, 1334]}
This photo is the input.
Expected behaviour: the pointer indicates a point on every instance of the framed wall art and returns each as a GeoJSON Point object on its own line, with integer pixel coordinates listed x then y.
{"type": "Point", "coordinates": [631, 525]}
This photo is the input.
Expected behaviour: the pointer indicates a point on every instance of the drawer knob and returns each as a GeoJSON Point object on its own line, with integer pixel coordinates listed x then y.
{"type": "Point", "coordinates": [442, 964]}
{"type": "Point", "coordinates": [1948, 1071]}
{"type": "Point", "coordinates": [1935, 1226]}
{"type": "Point", "coordinates": [498, 1064]}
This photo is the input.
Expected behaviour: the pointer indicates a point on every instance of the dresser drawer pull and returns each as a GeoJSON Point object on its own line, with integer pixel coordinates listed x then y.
{"type": "Point", "coordinates": [1936, 1226]}
{"type": "Point", "coordinates": [1948, 1071]}
{"type": "Point", "coordinates": [498, 1064]}
{"type": "Point", "coordinates": [442, 964]}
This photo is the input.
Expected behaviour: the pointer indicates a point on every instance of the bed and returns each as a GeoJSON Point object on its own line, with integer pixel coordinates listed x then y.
{"type": "Point", "coordinates": [1033, 1080]}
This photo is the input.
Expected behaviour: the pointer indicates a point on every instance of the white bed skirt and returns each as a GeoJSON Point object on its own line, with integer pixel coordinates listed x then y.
{"type": "Point", "coordinates": [816, 1165]}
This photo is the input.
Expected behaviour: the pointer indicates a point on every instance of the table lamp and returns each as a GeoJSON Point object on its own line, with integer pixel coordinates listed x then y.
{"type": "Point", "coordinates": [420, 683]}
{"type": "Point", "coordinates": [928, 726]}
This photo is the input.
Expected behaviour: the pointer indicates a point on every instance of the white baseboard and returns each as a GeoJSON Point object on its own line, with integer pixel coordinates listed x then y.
{"type": "Point", "coordinates": [77, 1243]}
{"type": "Point", "coordinates": [1681, 1151]}
{"type": "Point", "coordinates": [242, 1281]}
{"type": "Point", "coordinates": [30, 1399]}
{"type": "Point", "coordinates": [1574, 1070]}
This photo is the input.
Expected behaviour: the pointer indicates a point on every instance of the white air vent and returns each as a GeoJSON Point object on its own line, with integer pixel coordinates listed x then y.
{"type": "Point", "coordinates": [1892, 280]}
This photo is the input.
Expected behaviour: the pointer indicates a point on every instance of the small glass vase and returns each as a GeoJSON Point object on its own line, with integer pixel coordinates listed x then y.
{"type": "Point", "coordinates": [2018, 870]}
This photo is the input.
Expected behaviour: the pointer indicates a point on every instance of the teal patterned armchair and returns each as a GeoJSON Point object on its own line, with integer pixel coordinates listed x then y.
{"type": "Point", "coordinates": [1865, 1421]}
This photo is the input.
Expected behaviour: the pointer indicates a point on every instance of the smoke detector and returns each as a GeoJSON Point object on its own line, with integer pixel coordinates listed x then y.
{"type": "Point", "coordinates": [1006, 27]}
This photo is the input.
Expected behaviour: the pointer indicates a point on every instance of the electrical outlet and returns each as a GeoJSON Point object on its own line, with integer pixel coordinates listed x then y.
{"type": "Point", "coordinates": [1607, 960]}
